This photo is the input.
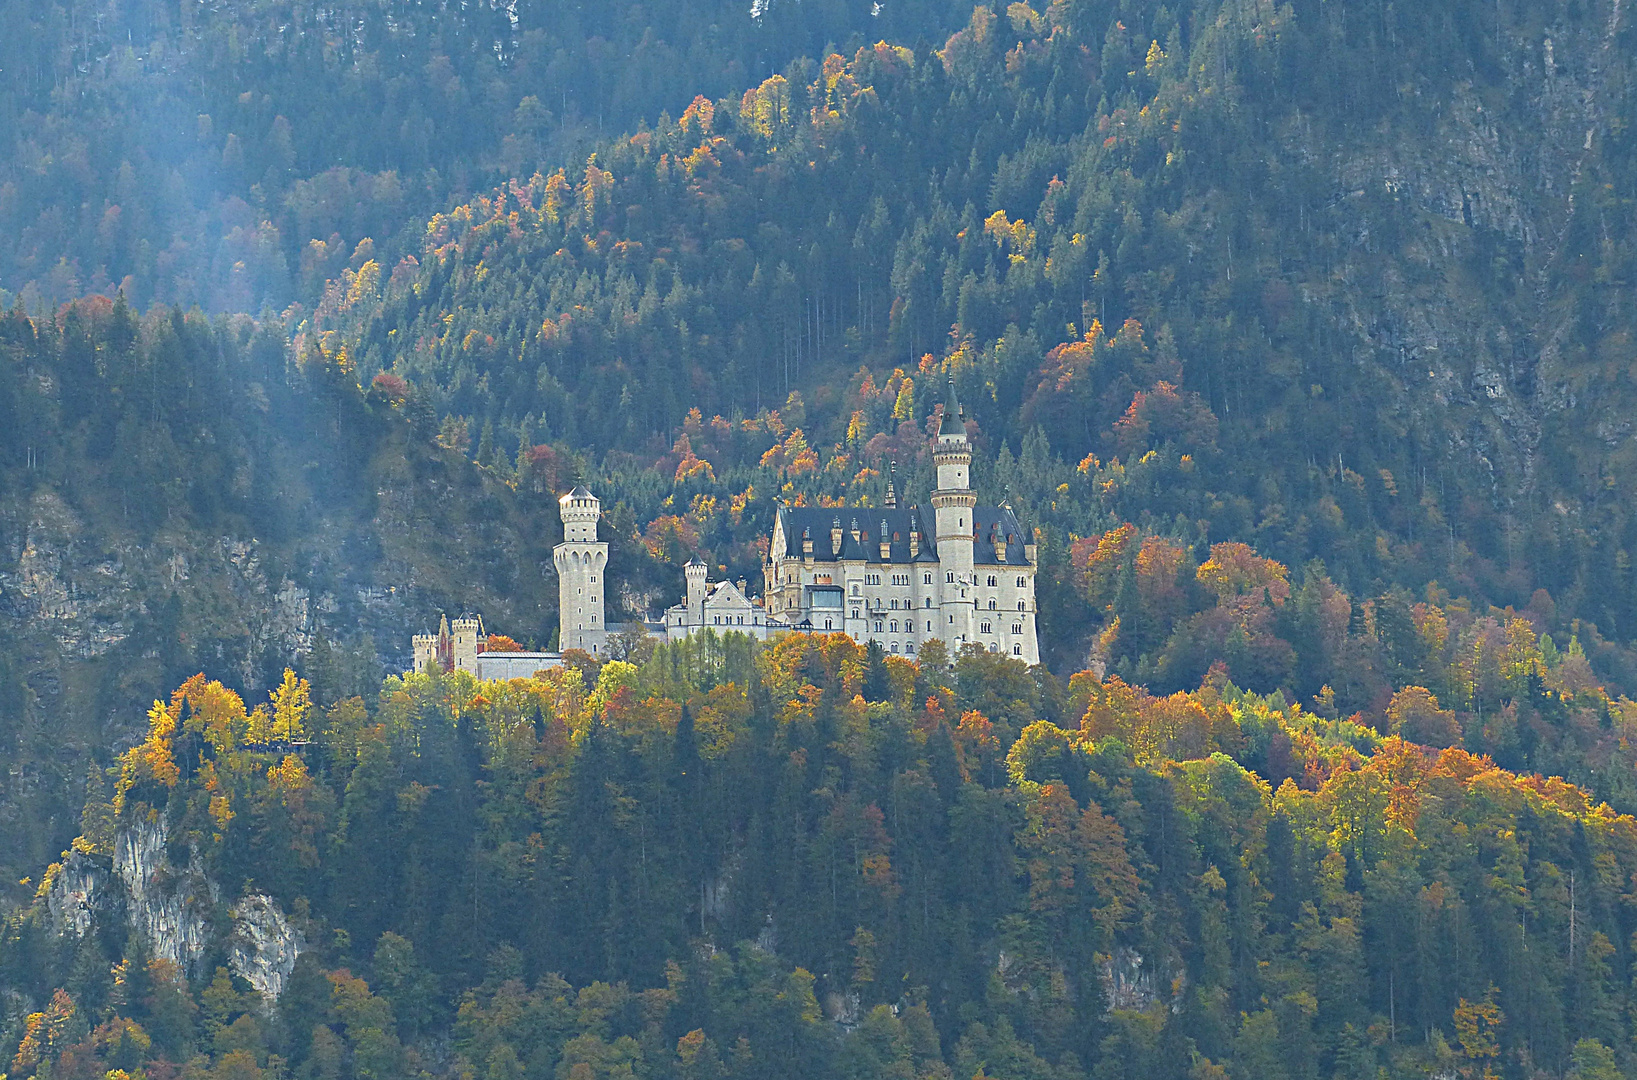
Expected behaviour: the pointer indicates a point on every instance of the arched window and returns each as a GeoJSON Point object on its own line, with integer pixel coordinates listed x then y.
{"type": "Point", "coordinates": [926, 578]}
{"type": "Point", "coordinates": [993, 581]}
{"type": "Point", "coordinates": [991, 605]}
{"type": "Point", "coordinates": [1017, 650]}
{"type": "Point", "coordinates": [826, 624]}
{"type": "Point", "coordinates": [986, 628]}
{"type": "Point", "coordinates": [1016, 629]}
{"type": "Point", "coordinates": [949, 577]}
{"type": "Point", "coordinates": [1021, 606]}
{"type": "Point", "coordinates": [1022, 583]}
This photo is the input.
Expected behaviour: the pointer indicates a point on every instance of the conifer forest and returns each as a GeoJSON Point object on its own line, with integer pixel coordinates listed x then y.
{"type": "Point", "coordinates": [1301, 335]}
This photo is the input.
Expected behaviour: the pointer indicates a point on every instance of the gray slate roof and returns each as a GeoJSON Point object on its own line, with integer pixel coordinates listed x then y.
{"type": "Point", "coordinates": [996, 526]}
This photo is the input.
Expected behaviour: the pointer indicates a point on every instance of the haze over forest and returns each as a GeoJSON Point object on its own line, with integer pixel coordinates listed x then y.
{"type": "Point", "coordinates": [1301, 334]}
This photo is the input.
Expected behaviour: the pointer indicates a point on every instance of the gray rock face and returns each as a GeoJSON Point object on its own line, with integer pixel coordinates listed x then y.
{"type": "Point", "coordinates": [172, 909]}
{"type": "Point", "coordinates": [74, 895]}
{"type": "Point", "coordinates": [264, 946]}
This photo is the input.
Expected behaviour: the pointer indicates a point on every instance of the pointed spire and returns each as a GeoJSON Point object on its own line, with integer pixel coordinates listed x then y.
{"type": "Point", "coordinates": [951, 423]}
{"type": "Point", "coordinates": [892, 494]}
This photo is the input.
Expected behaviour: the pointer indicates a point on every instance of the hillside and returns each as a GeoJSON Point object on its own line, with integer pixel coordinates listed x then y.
{"type": "Point", "coordinates": [234, 155]}
{"type": "Point", "coordinates": [812, 860]}
{"type": "Point", "coordinates": [1300, 332]}
{"type": "Point", "coordinates": [1343, 288]}
{"type": "Point", "coordinates": [182, 495]}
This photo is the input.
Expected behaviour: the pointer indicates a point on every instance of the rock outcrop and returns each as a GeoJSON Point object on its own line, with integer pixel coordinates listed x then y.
{"type": "Point", "coordinates": [173, 910]}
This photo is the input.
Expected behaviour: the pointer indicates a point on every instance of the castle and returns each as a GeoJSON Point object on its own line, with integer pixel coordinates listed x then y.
{"type": "Point", "coordinates": [963, 574]}
{"type": "Point", "coordinates": [958, 573]}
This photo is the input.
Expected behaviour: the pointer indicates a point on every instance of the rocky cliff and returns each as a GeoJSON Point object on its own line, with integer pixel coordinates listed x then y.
{"type": "Point", "coordinates": [178, 913]}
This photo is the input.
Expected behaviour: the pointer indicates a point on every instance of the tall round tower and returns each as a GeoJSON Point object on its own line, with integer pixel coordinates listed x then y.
{"type": "Point", "coordinates": [580, 560]}
{"type": "Point", "coordinates": [953, 504]}
{"type": "Point", "coordinates": [695, 573]}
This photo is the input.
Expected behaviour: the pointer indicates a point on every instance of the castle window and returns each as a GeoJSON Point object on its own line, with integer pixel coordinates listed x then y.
{"type": "Point", "coordinates": [1021, 607]}
{"type": "Point", "coordinates": [926, 578]}
{"type": "Point", "coordinates": [826, 624]}
{"type": "Point", "coordinates": [895, 646]}
{"type": "Point", "coordinates": [929, 625]}
{"type": "Point", "coordinates": [878, 626]}
{"type": "Point", "coordinates": [895, 604]}
{"type": "Point", "coordinates": [949, 577]}
{"type": "Point", "coordinates": [593, 579]}
{"type": "Point", "coordinates": [895, 626]}
{"type": "Point", "coordinates": [1017, 650]}
{"type": "Point", "coordinates": [1022, 583]}
{"type": "Point", "coordinates": [991, 605]}
{"type": "Point", "coordinates": [993, 581]}
{"type": "Point", "coordinates": [986, 628]}
{"type": "Point", "coordinates": [741, 620]}
{"type": "Point", "coordinates": [909, 647]}
{"type": "Point", "coordinates": [1016, 629]}
{"type": "Point", "coordinates": [872, 579]}
{"type": "Point", "coordinates": [855, 588]}
{"type": "Point", "coordinates": [929, 601]}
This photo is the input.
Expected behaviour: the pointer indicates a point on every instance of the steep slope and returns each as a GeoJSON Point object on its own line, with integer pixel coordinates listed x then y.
{"type": "Point", "coordinates": [1352, 277]}
{"type": "Point", "coordinates": [182, 497]}
{"type": "Point", "coordinates": [234, 155]}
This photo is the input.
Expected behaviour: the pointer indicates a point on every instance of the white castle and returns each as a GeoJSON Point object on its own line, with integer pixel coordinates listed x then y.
{"type": "Point", "coordinates": [901, 576]}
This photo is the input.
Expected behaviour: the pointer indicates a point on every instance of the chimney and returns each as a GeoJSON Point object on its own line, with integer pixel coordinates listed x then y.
{"type": "Point", "coordinates": [886, 542]}
{"type": "Point", "coordinates": [835, 538]}
{"type": "Point", "coordinates": [807, 545]}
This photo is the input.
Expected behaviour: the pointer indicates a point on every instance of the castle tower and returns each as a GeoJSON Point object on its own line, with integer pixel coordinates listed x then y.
{"type": "Point", "coordinates": [953, 504]}
{"type": "Point", "coordinates": [695, 573]}
{"type": "Point", "coordinates": [466, 642]}
{"type": "Point", "coordinates": [580, 561]}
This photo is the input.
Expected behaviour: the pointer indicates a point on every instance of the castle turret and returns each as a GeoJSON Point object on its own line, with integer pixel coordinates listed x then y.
{"type": "Point", "coordinates": [580, 561]}
{"type": "Point", "coordinates": [695, 573]}
{"type": "Point", "coordinates": [953, 505]}
{"type": "Point", "coordinates": [466, 641]}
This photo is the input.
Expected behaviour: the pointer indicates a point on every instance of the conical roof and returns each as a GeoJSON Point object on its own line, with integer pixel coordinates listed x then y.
{"type": "Point", "coordinates": [951, 424]}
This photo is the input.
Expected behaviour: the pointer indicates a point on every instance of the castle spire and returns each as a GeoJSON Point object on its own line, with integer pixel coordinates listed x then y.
{"type": "Point", "coordinates": [892, 495]}
{"type": "Point", "coordinates": [951, 424]}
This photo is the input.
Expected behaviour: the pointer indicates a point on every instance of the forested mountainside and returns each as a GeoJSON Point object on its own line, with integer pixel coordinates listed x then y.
{"type": "Point", "coordinates": [180, 495]}
{"type": "Point", "coordinates": [1346, 283]}
{"type": "Point", "coordinates": [1302, 334]}
{"type": "Point", "coordinates": [813, 860]}
{"type": "Point", "coordinates": [234, 155]}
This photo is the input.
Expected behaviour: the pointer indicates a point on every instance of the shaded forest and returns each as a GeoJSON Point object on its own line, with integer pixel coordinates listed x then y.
{"type": "Point", "coordinates": [1300, 333]}
{"type": "Point", "coordinates": [810, 859]}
